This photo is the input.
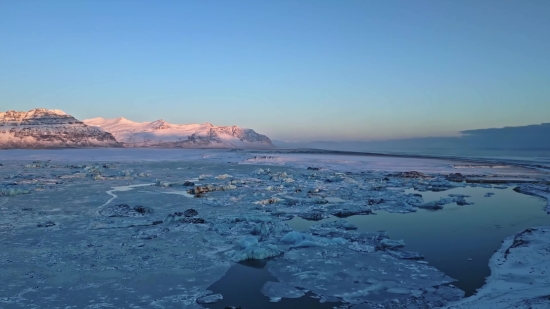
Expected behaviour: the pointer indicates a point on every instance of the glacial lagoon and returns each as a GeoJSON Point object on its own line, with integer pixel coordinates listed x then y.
{"type": "Point", "coordinates": [180, 232]}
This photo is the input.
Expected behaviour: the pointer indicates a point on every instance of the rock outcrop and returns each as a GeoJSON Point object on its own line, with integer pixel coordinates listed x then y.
{"type": "Point", "coordinates": [43, 128]}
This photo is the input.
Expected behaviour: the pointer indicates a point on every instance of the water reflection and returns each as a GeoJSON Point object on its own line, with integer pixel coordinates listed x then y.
{"type": "Point", "coordinates": [242, 285]}
{"type": "Point", "coordinates": [458, 240]}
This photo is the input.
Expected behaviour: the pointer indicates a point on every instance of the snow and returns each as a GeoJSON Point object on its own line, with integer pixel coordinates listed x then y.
{"type": "Point", "coordinates": [519, 274]}
{"type": "Point", "coordinates": [159, 132]}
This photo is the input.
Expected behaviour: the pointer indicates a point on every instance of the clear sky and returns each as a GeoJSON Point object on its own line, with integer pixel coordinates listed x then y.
{"type": "Point", "coordinates": [294, 70]}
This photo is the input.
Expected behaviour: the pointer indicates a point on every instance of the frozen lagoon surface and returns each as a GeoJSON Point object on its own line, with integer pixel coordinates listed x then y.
{"type": "Point", "coordinates": [122, 228]}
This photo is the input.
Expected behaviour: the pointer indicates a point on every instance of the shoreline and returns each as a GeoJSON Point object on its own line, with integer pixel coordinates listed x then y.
{"type": "Point", "coordinates": [520, 270]}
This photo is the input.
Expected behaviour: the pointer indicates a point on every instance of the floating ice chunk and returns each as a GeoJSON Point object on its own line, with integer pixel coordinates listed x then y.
{"type": "Point", "coordinates": [462, 202]}
{"type": "Point", "coordinates": [257, 251]}
{"type": "Point", "coordinates": [313, 216]}
{"type": "Point", "coordinates": [210, 299]}
{"type": "Point", "coordinates": [307, 243]}
{"type": "Point", "coordinates": [262, 229]}
{"type": "Point", "coordinates": [13, 192]}
{"type": "Point", "coordinates": [431, 205]}
{"type": "Point", "coordinates": [405, 255]}
{"type": "Point", "coordinates": [292, 238]}
{"type": "Point", "coordinates": [247, 242]}
{"type": "Point", "coordinates": [390, 243]}
{"type": "Point", "coordinates": [489, 194]}
{"type": "Point", "coordinates": [338, 224]}
{"type": "Point", "coordinates": [277, 290]}
{"type": "Point", "coordinates": [320, 270]}
{"type": "Point", "coordinates": [261, 171]}
{"type": "Point", "coordinates": [339, 241]}
{"type": "Point", "coordinates": [359, 247]}
{"type": "Point", "coordinates": [228, 187]}
{"type": "Point", "coordinates": [268, 201]}
{"type": "Point", "coordinates": [224, 176]}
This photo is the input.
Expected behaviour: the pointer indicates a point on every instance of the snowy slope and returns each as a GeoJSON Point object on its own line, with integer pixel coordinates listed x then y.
{"type": "Point", "coordinates": [42, 128]}
{"type": "Point", "coordinates": [162, 134]}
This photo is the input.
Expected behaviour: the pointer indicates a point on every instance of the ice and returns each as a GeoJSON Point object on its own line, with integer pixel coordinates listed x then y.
{"type": "Point", "coordinates": [276, 291]}
{"type": "Point", "coordinates": [536, 190]}
{"type": "Point", "coordinates": [339, 224]}
{"type": "Point", "coordinates": [248, 241]}
{"type": "Point", "coordinates": [518, 274]}
{"type": "Point", "coordinates": [124, 210]}
{"type": "Point", "coordinates": [257, 251]}
{"type": "Point", "coordinates": [292, 238]}
{"type": "Point", "coordinates": [323, 272]}
{"type": "Point", "coordinates": [94, 218]}
{"type": "Point", "coordinates": [210, 299]}
{"type": "Point", "coordinates": [392, 244]}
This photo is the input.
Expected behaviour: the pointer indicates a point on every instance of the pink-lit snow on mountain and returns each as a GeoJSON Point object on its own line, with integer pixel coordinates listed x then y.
{"type": "Point", "coordinates": [159, 133]}
{"type": "Point", "coordinates": [43, 128]}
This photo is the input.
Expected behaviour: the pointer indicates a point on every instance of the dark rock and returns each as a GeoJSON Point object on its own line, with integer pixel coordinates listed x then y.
{"type": "Point", "coordinates": [199, 190]}
{"type": "Point", "coordinates": [46, 224]}
{"type": "Point", "coordinates": [312, 216]}
{"type": "Point", "coordinates": [431, 206]}
{"type": "Point", "coordinates": [344, 213]}
{"type": "Point", "coordinates": [188, 184]}
{"type": "Point", "coordinates": [143, 210]}
{"type": "Point", "coordinates": [124, 210]}
{"type": "Point", "coordinates": [411, 174]}
{"type": "Point", "coordinates": [456, 177]}
{"type": "Point", "coordinates": [375, 201]}
{"type": "Point", "coordinates": [313, 168]}
{"type": "Point", "coordinates": [157, 222]}
{"type": "Point", "coordinates": [192, 220]}
{"type": "Point", "coordinates": [190, 212]}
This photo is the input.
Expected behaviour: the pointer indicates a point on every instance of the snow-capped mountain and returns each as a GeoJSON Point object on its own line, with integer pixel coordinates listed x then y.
{"type": "Point", "coordinates": [159, 133]}
{"type": "Point", "coordinates": [43, 128]}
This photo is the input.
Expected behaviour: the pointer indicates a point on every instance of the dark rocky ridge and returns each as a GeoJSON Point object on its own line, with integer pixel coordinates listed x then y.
{"type": "Point", "coordinates": [43, 128]}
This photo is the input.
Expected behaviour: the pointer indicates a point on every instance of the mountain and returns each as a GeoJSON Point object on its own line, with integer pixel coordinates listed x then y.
{"type": "Point", "coordinates": [43, 128]}
{"type": "Point", "coordinates": [159, 133]}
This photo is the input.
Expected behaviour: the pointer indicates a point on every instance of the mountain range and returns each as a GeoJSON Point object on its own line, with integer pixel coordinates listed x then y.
{"type": "Point", "coordinates": [159, 133]}
{"type": "Point", "coordinates": [43, 128]}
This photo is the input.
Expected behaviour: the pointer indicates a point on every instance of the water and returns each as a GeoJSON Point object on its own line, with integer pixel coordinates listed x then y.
{"type": "Point", "coordinates": [458, 240]}
{"type": "Point", "coordinates": [449, 238]}
{"type": "Point", "coordinates": [242, 284]}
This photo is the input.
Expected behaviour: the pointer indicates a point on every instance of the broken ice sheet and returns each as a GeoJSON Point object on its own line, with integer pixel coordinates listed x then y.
{"type": "Point", "coordinates": [354, 277]}
{"type": "Point", "coordinates": [277, 290]}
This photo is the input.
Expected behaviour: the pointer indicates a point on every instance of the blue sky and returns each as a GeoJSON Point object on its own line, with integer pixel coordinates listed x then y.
{"type": "Point", "coordinates": [294, 70]}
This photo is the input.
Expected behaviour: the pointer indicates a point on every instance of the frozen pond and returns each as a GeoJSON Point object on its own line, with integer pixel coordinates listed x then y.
{"type": "Point", "coordinates": [459, 240]}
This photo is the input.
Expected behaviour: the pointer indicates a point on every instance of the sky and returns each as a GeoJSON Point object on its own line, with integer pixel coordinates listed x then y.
{"type": "Point", "coordinates": [293, 70]}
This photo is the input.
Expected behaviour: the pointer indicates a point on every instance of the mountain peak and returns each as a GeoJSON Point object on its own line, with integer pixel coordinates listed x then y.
{"type": "Point", "coordinates": [160, 124]}
{"type": "Point", "coordinates": [44, 128]}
